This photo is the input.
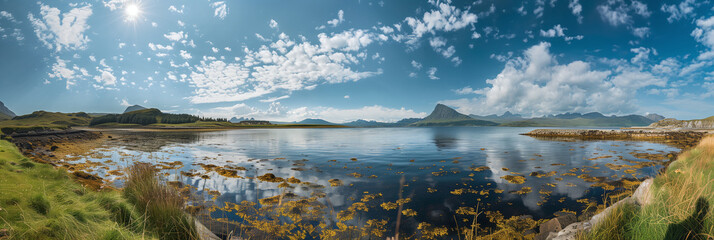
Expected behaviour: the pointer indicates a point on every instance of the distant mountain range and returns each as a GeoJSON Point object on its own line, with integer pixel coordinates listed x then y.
{"type": "Point", "coordinates": [6, 113]}
{"type": "Point", "coordinates": [237, 120]}
{"type": "Point", "coordinates": [446, 116]}
{"type": "Point", "coordinates": [134, 108]}
{"type": "Point", "coordinates": [506, 117]}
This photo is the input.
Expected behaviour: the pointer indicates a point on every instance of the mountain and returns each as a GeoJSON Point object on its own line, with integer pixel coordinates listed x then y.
{"type": "Point", "coordinates": [446, 116]}
{"type": "Point", "coordinates": [134, 108]}
{"type": "Point", "coordinates": [364, 123]}
{"type": "Point", "coordinates": [593, 119]}
{"type": "Point", "coordinates": [315, 122]}
{"type": "Point", "coordinates": [5, 113]}
{"type": "Point", "coordinates": [237, 120]}
{"type": "Point", "coordinates": [654, 117]}
{"type": "Point", "coordinates": [506, 117]}
{"type": "Point", "coordinates": [707, 123]}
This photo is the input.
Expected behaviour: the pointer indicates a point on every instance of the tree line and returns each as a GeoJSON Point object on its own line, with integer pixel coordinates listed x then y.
{"type": "Point", "coordinates": [151, 116]}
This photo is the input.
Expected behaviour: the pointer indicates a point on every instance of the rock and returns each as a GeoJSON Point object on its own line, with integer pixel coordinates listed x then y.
{"type": "Point", "coordinates": [53, 148]}
{"type": "Point", "coordinates": [552, 225]}
{"type": "Point", "coordinates": [570, 232]}
{"type": "Point", "coordinates": [541, 236]}
{"type": "Point", "coordinates": [565, 218]}
{"type": "Point", "coordinates": [642, 194]}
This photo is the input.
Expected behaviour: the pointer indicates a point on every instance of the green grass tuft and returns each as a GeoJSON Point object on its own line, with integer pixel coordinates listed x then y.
{"type": "Point", "coordinates": [39, 203]}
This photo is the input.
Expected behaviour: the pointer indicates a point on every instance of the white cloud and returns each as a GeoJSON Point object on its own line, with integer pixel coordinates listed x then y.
{"type": "Point", "coordinates": [114, 4]}
{"type": "Point", "coordinates": [185, 55]}
{"type": "Point", "coordinates": [556, 31]}
{"type": "Point", "coordinates": [432, 73]}
{"type": "Point", "coordinates": [275, 98]}
{"type": "Point", "coordinates": [8, 16]}
{"type": "Point", "coordinates": [176, 36]}
{"type": "Point", "coordinates": [704, 34]}
{"type": "Point", "coordinates": [106, 77]}
{"type": "Point", "coordinates": [273, 24]}
{"type": "Point", "coordinates": [614, 16]}
{"type": "Point", "coordinates": [62, 32]}
{"type": "Point", "coordinates": [643, 55]}
{"type": "Point", "coordinates": [416, 64]}
{"type": "Point", "coordinates": [346, 97]}
{"type": "Point", "coordinates": [684, 9]}
{"type": "Point", "coordinates": [444, 18]}
{"type": "Point", "coordinates": [62, 71]}
{"type": "Point", "coordinates": [340, 18]}
{"type": "Point", "coordinates": [174, 9]}
{"type": "Point", "coordinates": [641, 32]}
{"type": "Point", "coordinates": [124, 103]}
{"type": "Point", "coordinates": [220, 9]}
{"type": "Point", "coordinates": [576, 9]}
{"type": "Point", "coordinates": [282, 66]}
{"type": "Point", "coordinates": [537, 84]}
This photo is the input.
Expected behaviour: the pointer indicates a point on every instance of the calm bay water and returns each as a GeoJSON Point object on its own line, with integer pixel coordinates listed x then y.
{"type": "Point", "coordinates": [434, 162]}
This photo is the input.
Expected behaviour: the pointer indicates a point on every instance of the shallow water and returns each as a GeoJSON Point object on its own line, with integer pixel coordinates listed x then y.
{"type": "Point", "coordinates": [429, 159]}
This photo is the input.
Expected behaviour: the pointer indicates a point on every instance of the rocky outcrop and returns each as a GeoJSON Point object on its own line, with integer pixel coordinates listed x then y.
{"type": "Point", "coordinates": [671, 123]}
{"type": "Point", "coordinates": [551, 230]}
{"type": "Point", "coordinates": [41, 145]}
{"type": "Point", "coordinates": [681, 139]}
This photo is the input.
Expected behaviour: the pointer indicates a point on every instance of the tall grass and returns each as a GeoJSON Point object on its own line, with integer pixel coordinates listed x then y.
{"type": "Point", "coordinates": [162, 205]}
{"type": "Point", "coordinates": [680, 203]}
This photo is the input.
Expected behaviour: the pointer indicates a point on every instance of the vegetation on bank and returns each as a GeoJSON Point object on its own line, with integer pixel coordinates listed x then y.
{"type": "Point", "coordinates": [151, 116]}
{"type": "Point", "coordinates": [679, 206]}
{"type": "Point", "coordinates": [39, 201]}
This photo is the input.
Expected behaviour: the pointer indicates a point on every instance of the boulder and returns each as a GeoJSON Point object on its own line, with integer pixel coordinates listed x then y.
{"type": "Point", "coordinates": [552, 225]}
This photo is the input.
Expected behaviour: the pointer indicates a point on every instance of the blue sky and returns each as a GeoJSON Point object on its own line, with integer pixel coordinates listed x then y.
{"type": "Point", "coordinates": [348, 60]}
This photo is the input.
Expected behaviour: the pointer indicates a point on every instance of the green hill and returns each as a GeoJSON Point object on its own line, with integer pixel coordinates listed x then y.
{"type": "Point", "coordinates": [446, 116]}
{"type": "Point", "coordinates": [41, 120]}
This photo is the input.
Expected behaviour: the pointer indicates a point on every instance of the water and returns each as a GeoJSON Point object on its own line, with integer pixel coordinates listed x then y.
{"type": "Point", "coordinates": [434, 162]}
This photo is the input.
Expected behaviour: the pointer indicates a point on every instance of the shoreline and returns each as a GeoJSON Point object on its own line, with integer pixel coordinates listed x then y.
{"type": "Point", "coordinates": [87, 139]}
{"type": "Point", "coordinates": [559, 227]}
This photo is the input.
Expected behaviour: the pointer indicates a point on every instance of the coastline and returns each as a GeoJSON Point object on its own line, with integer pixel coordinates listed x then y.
{"type": "Point", "coordinates": [85, 142]}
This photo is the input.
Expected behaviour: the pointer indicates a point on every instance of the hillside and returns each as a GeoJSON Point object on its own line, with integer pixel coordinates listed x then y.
{"type": "Point", "coordinates": [134, 108]}
{"type": "Point", "coordinates": [315, 121]}
{"type": "Point", "coordinates": [5, 113]}
{"type": "Point", "coordinates": [364, 123]}
{"type": "Point", "coordinates": [707, 123]}
{"type": "Point", "coordinates": [40, 120]}
{"type": "Point", "coordinates": [446, 116]}
{"type": "Point", "coordinates": [504, 118]}
{"type": "Point", "coordinates": [585, 120]}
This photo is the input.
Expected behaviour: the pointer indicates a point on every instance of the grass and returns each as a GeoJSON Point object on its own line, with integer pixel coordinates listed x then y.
{"type": "Point", "coordinates": [42, 120]}
{"type": "Point", "coordinates": [38, 201]}
{"type": "Point", "coordinates": [41, 202]}
{"type": "Point", "coordinates": [161, 204]}
{"type": "Point", "coordinates": [680, 206]}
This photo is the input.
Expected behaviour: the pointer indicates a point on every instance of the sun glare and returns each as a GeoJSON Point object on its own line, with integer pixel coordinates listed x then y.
{"type": "Point", "coordinates": [132, 11]}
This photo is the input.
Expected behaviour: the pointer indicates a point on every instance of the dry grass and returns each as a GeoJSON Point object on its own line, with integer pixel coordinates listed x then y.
{"type": "Point", "coordinates": [161, 204]}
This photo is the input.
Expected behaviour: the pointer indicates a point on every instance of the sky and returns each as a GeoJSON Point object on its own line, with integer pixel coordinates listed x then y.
{"type": "Point", "coordinates": [368, 59]}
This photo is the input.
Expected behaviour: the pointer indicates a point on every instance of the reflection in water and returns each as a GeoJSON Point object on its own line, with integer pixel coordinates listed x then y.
{"type": "Point", "coordinates": [439, 165]}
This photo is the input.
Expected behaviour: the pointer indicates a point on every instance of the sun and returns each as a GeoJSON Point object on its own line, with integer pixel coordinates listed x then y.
{"type": "Point", "coordinates": [132, 11]}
